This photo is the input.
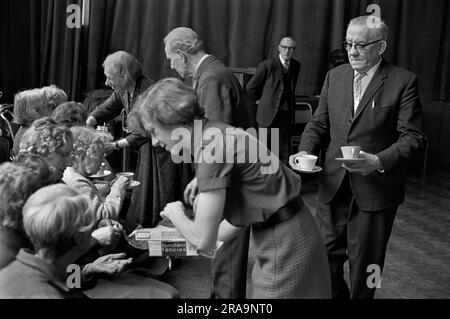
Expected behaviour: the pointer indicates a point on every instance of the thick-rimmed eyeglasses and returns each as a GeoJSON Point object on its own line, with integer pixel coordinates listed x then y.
{"type": "Point", "coordinates": [358, 46]}
{"type": "Point", "coordinates": [286, 47]}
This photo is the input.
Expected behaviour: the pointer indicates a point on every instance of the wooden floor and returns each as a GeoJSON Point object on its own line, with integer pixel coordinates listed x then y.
{"type": "Point", "coordinates": [418, 254]}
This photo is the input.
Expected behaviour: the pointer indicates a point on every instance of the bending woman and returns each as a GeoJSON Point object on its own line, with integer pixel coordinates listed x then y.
{"type": "Point", "coordinates": [234, 184]}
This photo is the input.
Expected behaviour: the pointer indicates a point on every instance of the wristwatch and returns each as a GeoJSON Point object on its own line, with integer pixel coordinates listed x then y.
{"type": "Point", "coordinates": [116, 143]}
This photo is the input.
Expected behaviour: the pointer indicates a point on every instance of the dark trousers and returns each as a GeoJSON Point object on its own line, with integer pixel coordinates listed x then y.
{"type": "Point", "coordinates": [282, 122]}
{"type": "Point", "coordinates": [229, 268]}
{"type": "Point", "coordinates": [357, 235]}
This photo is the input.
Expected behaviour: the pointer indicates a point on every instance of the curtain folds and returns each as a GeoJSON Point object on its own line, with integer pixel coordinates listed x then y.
{"type": "Point", "coordinates": [239, 32]}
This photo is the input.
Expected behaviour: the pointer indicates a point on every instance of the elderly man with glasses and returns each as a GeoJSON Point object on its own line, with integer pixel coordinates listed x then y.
{"type": "Point", "coordinates": [374, 105]}
{"type": "Point", "coordinates": [274, 86]}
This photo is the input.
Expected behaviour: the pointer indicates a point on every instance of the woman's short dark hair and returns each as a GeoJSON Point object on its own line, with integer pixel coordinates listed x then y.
{"type": "Point", "coordinates": [169, 102]}
{"type": "Point", "coordinates": [71, 114]}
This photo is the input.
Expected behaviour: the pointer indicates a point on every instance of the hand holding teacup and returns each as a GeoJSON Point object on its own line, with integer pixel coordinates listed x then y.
{"type": "Point", "coordinates": [303, 161]}
{"type": "Point", "coordinates": [368, 164]}
{"type": "Point", "coordinates": [351, 151]}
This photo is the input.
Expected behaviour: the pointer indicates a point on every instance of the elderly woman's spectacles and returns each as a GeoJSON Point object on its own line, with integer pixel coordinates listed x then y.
{"type": "Point", "coordinates": [358, 46]}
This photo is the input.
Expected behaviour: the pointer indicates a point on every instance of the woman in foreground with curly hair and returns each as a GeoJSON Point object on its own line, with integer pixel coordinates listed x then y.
{"type": "Point", "coordinates": [50, 140]}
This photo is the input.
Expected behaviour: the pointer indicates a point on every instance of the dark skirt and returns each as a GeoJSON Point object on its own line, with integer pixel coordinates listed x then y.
{"type": "Point", "coordinates": [162, 181]}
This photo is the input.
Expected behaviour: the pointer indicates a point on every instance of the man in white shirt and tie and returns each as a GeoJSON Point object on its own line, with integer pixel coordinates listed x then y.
{"type": "Point", "coordinates": [273, 85]}
{"type": "Point", "coordinates": [375, 105]}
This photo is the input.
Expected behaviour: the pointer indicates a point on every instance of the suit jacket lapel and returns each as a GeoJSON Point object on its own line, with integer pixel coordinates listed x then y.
{"type": "Point", "coordinates": [375, 84]}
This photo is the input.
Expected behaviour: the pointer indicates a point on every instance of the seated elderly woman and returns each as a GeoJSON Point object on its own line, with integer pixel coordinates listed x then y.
{"type": "Point", "coordinates": [236, 183]}
{"type": "Point", "coordinates": [50, 140]}
{"type": "Point", "coordinates": [55, 95]}
{"type": "Point", "coordinates": [75, 114]}
{"type": "Point", "coordinates": [33, 104]}
{"type": "Point", "coordinates": [17, 182]}
{"type": "Point", "coordinates": [29, 105]}
{"type": "Point", "coordinates": [54, 143]}
{"type": "Point", "coordinates": [88, 155]}
{"type": "Point", "coordinates": [57, 221]}
{"type": "Point", "coordinates": [70, 113]}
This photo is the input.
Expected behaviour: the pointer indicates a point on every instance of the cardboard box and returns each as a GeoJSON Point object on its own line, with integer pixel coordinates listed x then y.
{"type": "Point", "coordinates": [158, 233]}
{"type": "Point", "coordinates": [166, 241]}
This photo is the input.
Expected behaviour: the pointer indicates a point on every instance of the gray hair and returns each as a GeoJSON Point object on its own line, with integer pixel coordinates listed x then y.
{"type": "Point", "coordinates": [168, 102]}
{"type": "Point", "coordinates": [30, 105]}
{"type": "Point", "coordinates": [381, 31]}
{"type": "Point", "coordinates": [125, 64]}
{"type": "Point", "coordinates": [44, 137]}
{"type": "Point", "coordinates": [17, 182]}
{"type": "Point", "coordinates": [70, 113]}
{"type": "Point", "coordinates": [55, 96]}
{"type": "Point", "coordinates": [54, 215]}
{"type": "Point", "coordinates": [183, 39]}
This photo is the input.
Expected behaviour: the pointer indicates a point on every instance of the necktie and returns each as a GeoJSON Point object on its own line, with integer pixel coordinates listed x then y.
{"type": "Point", "coordinates": [286, 66]}
{"type": "Point", "coordinates": [357, 89]}
{"type": "Point", "coordinates": [194, 81]}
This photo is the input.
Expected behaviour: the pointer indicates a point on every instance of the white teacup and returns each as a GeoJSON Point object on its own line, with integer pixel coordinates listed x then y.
{"type": "Point", "coordinates": [350, 151]}
{"type": "Point", "coordinates": [102, 129]}
{"type": "Point", "coordinates": [128, 175]}
{"type": "Point", "coordinates": [305, 162]}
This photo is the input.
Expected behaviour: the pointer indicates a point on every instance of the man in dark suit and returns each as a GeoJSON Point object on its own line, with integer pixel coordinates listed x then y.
{"type": "Point", "coordinates": [274, 86]}
{"type": "Point", "coordinates": [219, 94]}
{"type": "Point", "coordinates": [375, 105]}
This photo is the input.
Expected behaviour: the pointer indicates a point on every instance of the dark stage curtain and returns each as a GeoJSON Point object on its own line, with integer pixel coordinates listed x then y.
{"type": "Point", "coordinates": [240, 32]}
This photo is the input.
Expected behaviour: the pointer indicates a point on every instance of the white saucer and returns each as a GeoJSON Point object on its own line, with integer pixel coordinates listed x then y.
{"type": "Point", "coordinates": [350, 160]}
{"type": "Point", "coordinates": [105, 173]}
{"type": "Point", "coordinates": [316, 169]}
{"type": "Point", "coordinates": [134, 184]}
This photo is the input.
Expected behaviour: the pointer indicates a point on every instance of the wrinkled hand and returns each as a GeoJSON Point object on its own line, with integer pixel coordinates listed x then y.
{"type": "Point", "coordinates": [91, 121]}
{"type": "Point", "coordinates": [107, 235]}
{"type": "Point", "coordinates": [292, 158]}
{"type": "Point", "coordinates": [371, 163]}
{"type": "Point", "coordinates": [108, 264]}
{"type": "Point", "coordinates": [172, 209]}
{"type": "Point", "coordinates": [121, 181]}
{"type": "Point", "coordinates": [191, 191]}
{"type": "Point", "coordinates": [109, 222]}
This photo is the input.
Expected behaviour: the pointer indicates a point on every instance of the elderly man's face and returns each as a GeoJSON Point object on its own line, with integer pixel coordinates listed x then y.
{"type": "Point", "coordinates": [178, 62]}
{"type": "Point", "coordinates": [364, 59]}
{"type": "Point", "coordinates": [286, 48]}
{"type": "Point", "coordinates": [114, 80]}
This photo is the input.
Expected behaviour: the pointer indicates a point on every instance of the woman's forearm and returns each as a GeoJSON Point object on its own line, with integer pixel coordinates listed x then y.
{"type": "Point", "coordinates": [202, 232]}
